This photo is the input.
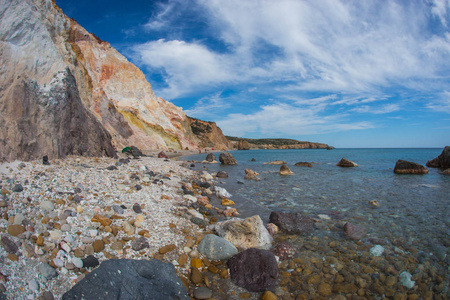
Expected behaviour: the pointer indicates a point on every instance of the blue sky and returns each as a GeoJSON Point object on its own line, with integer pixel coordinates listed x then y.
{"type": "Point", "coordinates": [346, 73]}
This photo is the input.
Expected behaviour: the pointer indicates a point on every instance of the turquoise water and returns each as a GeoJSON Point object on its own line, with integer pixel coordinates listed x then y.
{"type": "Point", "coordinates": [414, 209]}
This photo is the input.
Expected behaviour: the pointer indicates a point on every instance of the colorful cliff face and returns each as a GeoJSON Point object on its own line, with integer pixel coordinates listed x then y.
{"type": "Point", "coordinates": [63, 91]}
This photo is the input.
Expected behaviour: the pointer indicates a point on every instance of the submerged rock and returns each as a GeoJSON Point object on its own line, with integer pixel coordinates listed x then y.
{"type": "Point", "coordinates": [345, 163]}
{"type": "Point", "coordinates": [276, 162]}
{"type": "Point", "coordinates": [245, 233]}
{"type": "Point", "coordinates": [130, 279]}
{"type": "Point", "coordinates": [354, 232]}
{"type": "Point", "coordinates": [250, 174]}
{"type": "Point", "coordinates": [227, 159]}
{"type": "Point", "coordinates": [294, 222]}
{"type": "Point", "coordinates": [222, 174]}
{"type": "Point", "coordinates": [284, 250]}
{"type": "Point", "coordinates": [304, 164]}
{"type": "Point", "coordinates": [442, 161]}
{"type": "Point", "coordinates": [407, 167]}
{"type": "Point", "coordinates": [254, 269]}
{"type": "Point", "coordinates": [284, 170]}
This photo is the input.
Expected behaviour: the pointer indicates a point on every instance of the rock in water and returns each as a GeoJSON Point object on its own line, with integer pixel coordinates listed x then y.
{"type": "Point", "coordinates": [227, 159]}
{"type": "Point", "coordinates": [210, 157]}
{"type": "Point", "coordinates": [254, 269]}
{"type": "Point", "coordinates": [345, 163]}
{"type": "Point", "coordinates": [216, 248]}
{"type": "Point", "coordinates": [285, 250]}
{"type": "Point", "coordinates": [292, 222]}
{"type": "Point", "coordinates": [244, 234]}
{"type": "Point", "coordinates": [284, 170]}
{"type": "Point", "coordinates": [250, 174]}
{"type": "Point", "coordinates": [442, 161]}
{"type": "Point", "coordinates": [408, 167]}
{"type": "Point", "coordinates": [354, 232]}
{"type": "Point", "coordinates": [130, 279]}
{"type": "Point", "coordinates": [222, 174]}
{"type": "Point", "coordinates": [304, 164]}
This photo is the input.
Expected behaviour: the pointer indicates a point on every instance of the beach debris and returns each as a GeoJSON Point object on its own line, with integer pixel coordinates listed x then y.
{"type": "Point", "coordinates": [226, 158]}
{"type": "Point", "coordinates": [254, 269]}
{"type": "Point", "coordinates": [284, 170]}
{"type": "Point", "coordinates": [345, 163]}
{"type": "Point", "coordinates": [245, 233]}
{"type": "Point", "coordinates": [408, 167]}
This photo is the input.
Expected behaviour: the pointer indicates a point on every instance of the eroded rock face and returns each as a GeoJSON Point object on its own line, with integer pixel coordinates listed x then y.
{"type": "Point", "coordinates": [243, 145]}
{"type": "Point", "coordinates": [442, 161]}
{"type": "Point", "coordinates": [408, 167]}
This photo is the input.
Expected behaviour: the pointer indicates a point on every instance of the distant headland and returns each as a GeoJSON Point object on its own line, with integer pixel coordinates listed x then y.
{"type": "Point", "coordinates": [274, 143]}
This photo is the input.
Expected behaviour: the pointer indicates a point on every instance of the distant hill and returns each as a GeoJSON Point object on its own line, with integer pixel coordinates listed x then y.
{"type": "Point", "coordinates": [271, 143]}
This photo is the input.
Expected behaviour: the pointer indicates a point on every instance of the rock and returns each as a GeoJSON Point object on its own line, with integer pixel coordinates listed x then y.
{"type": "Point", "coordinates": [276, 162]}
{"type": "Point", "coordinates": [90, 261]}
{"type": "Point", "coordinates": [284, 250]}
{"type": "Point", "coordinates": [222, 174]}
{"type": "Point", "coordinates": [47, 205]}
{"type": "Point", "coordinates": [163, 250]}
{"type": "Point", "coordinates": [47, 271]}
{"type": "Point", "coordinates": [17, 188]}
{"type": "Point", "coordinates": [111, 168]}
{"type": "Point", "coordinates": [284, 170]}
{"type": "Point", "coordinates": [98, 245]}
{"type": "Point", "coordinates": [405, 280]}
{"type": "Point", "coordinates": [162, 155]}
{"type": "Point", "coordinates": [33, 284]}
{"type": "Point", "coordinates": [216, 248]}
{"type": "Point", "coordinates": [128, 228]}
{"type": "Point", "coordinates": [243, 145]}
{"type": "Point", "coordinates": [48, 295]}
{"type": "Point", "coordinates": [139, 220]}
{"type": "Point", "coordinates": [104, 221]}
{"type": "Point", "coordinates": [211, 157]}
{"type": "Point", "coordinates": [227, 202]}
{"type": "Point", "coordinates": [15, 230]}
{"type": "Point", "coordinates": [245, 233]}
{"type": "Point", "coordinates": [230, 212]}
{"type": "Point", "coordinates": [118, 209]}
{"type": "Point", "coordinates": [407, 167]}
{"type": "Point", "coordinates": [345, 163]}
{"type": "Point", "coordinates": [117, 246]}
{"type": "Point", "coordinates": [137, 208]}
{"type": "Point", "coordinates": [354, 232]}
{"type": "Point", "coordinates": [268, 295]}
{"type": "Point", "coordinates": [140, 243]}
{"type": "Point", "coordinates": [250, 174]}
{"type": "Point", "coordinates": [130, 279]}
{"type": "Point", "coordinates": [77, 262]}
{"type": "Point", "coordinates": [221, 192]}
{"type": "Point", "coordinates": [292, 222]}
{"type": "Point", "coordinates": [272, 229]}
{"type": "Point", "coordinates": [304, 164]}
{"type": "Point", "coordinates": [374, 203]}
{"type": "Point", "coordinates": [45, 160]}
{"type": "Point", "coordinates": [445, 172]}
{"type": "Point", "coordinates": [56, 234]}
{"type": "Point", "coordinates": [376, 250]}
{"type": "Point", "coordinates": [202, 293]}
{"type": "Point", "coordinates": [9, 245]}
{"type": "Point", "coordinates": [196, 276]}
{"type": "Point", "coordinates": [254, 269]}
{"type": "Point", "coordinates": [133, 151]}
{"type": "Point", "coordinates": [442, 161]}
{"type": "Point", "coordinates": [324, 289]}
{"type": "Point", "coordinates": [227, 159]}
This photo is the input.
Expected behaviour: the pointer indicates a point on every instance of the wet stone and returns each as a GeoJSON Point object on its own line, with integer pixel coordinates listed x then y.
{"type": "Point", "coordinates": [202, 293]}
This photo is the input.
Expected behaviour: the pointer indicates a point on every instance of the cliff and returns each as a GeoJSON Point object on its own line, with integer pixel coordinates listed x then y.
{"type": "Point", "coordinates": [246, 144]}
{"type": "Point", "coordinates": [208, 135]}
{"type": "Point", "coordinates": [64, 91]}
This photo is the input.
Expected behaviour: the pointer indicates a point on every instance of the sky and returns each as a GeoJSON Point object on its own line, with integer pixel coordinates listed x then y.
{"type": "Point", "coordinates": [346, 73]}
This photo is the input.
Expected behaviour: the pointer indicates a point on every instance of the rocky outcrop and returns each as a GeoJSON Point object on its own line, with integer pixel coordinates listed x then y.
{"type": "Point", "coordinates": [64, 91]}
{"type": "Point", "coordinates": [345, 163]}
{"type": "Point", "coordinates": [243, 145]}
{"type": "Point", "coordinates": [226, 158]}
{"type": "Point", "coordinates": [408, 167]}
{"type": "Point", "coordinates": [207, 135]}
{"type": "Point", "coordinates": [246, 144]}
{"type": "Point", "coordinates": [442, 161]}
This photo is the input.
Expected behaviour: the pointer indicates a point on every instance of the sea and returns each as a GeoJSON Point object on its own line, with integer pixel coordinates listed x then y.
{"type": "Point", "coordinates": [413, 211]}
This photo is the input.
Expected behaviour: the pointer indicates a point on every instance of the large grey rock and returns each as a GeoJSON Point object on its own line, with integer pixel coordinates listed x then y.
{"type": "Point", "coordinates": [254, 269]}
{"type": "Point", "coordinates": [216, 248]}
{"type": "Point", "coordinates": [125, 279]}
{"type": "Point", "coordinates": [294, 222]}
{"type": "Point", "coordinates": [408, 167]}
{"type": "Point", "coordinates": [227, 159]}
{"type": "Point", "coordinates": [442, 161]}
{"type": "Point", "coordinates": [245, 233]}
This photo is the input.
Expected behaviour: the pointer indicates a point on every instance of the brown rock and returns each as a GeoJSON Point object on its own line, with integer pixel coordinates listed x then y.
{"type": "Point", "coordinates": [78, 253]}
{"type": "Point", "coordinates": [167, 248]}
{"type": "Point", "coordinates": [250, 174]}
{"type": "Point", "coordinates": [284, 170]}
{"type": "Point", "coordinates": [345, 163]}
{"type": "Point", "coordinates": [13, 257]}
{"type": "Point", "coordinates": [304, 164]}
{"type": "Point", "coordinates": [116, 246]}
{"type": "Point", "coordinates": [196, 263]}
{"type": "Point", "coordinates": [196, 276]}
{"type": "Point", "coordinates": [227, 159]}
{"type": "Point", "coordinates": [182, 260]}
{"type": "Point", "coordinates": [98, 245]}
{"type": "Point", "coordinates": [276, 162]}
{"type": "Point", "coordinates": [105, 221]}
{"type": "Point", "coordinates": [15, 230]}
{"type": "Point", "coordinates": [407, 167]}
{"type": "Point", "coordinates": [354, 232]}
{"type": "Point", "coordinates": [324, 289]}
{"type": "Point", "coordinates": [227, 202]}
{"type": "Point", "coordinates": [268, 295]}
{"type": "Point", "coordinates": [224, 274]}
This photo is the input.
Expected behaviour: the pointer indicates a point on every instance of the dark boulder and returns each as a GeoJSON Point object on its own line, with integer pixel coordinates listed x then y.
{"type": "Point", "coordinates": [45, 160]}
{"type": "Point", "coordinates": [211, 157]}
{"type": "Point", "coordinates": [408, 167]}
{"type": "Point", "coordinates": [130, 279]}
{"type": "Point", "coordinates": [227, 159]}
{"type": "Point", "coordinates": [304, 164]}
{"type": "Point", "coordinates": [222, 174]}
{"type": "Point", "coordinates": [162, 155]}
{"type": "Point", "coordinates": [294, 222]}
{"type": "Point", "coordinates": [345, 163]}
{"type": "Point", "coordinates": [442, 161]}
{"type": "Point", "coordinates": [254, 269]}
{"type": "Point", "coordinates": [132, 151]}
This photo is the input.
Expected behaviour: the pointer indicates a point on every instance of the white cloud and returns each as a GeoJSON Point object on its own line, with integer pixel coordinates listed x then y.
{"type": "Point", "coordinates": [441, 103]}
{"type": "Point", "coordinates": [441, 8]}
{"type": "Point", "coordinates": [208, 106]}
{"type": "Point", "coordinates": [377, 110]}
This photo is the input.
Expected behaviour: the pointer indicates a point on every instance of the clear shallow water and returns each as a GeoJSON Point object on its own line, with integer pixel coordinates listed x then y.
{"type": "Point", "coordinates": [414, 209]}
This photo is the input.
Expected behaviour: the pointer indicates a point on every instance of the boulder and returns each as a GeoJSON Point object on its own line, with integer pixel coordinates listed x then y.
{"type": "Point", "coordinates": [162, 155]}
{"type": "Point", "coordinates": [345, 163]}
{"type": "Point", "coordinates": [254, 269]}
{"type": "Point", "coordinates": [294, 222]}
{"type": "Point", "coordinates": [354, 232]}
{"type": "Point", "coordinates": [276, 162]}
{"type": "Point", "coordinates": [216, 248]}
{"type": "Point", "coordinates": [304, 164]}
{"type": "Point", "coordinates": [284, 170]}
{"type": "Point", "coordinates": [243, 145]}
{"type": "Point", "coordinates": [250, 174]}
{"type": "Point", "coordinates": [442, 161]}
{"type": "Point", "coordinates": [408, 167]}
{"type": "Point", "coordinates": [211, 157]}
{"type": "Point", "coordinates": [227, 159]}
{"type": "Point", "coordinates": [132, 151]}
{"type": "Point", "coordinates": [245, 233]}
{"type": "Point", "coordinates": [222, 174]}
{"type": "Point", "coordinates": [446, 172]}
{"type": "Point", "coordinates": [130, 279]}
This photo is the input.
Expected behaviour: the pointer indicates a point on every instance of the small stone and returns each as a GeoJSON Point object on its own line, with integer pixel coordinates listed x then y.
{"type": "Point", "coordinates": [13, 257]}
{"type": "Point", "coordinates": [47, 205]}
{"type": "Point", "coordinates": [98, 245]}
{"type": "Point", "coordinates": [15, 230]}
{"type": "Point", "coordinates": [90, 262]}
{"type": "Point", "coordinates": [167, 248]}
{"type": "Point", "coordinates": [140, 243]}
{"type": "Point", "coordinates": [58, 263]}
{"type": "Point", "coordinates": [284, 170]}
{"type": "Point", "coordinates": [118, 209]}
{"type": "Point", "coordinates": [202, 293]}
{"type": "Point", "coordinates": [324, 289]}
{"type": "Point", "coordinates": [105, 221]}
{"type": "Point", "coordinates": [17, 188]}
{"type": "Point", "coordinates": [182, 260]}
{"type": "Point", "coordinates": [268, 295]}
{"type": "Point", "coordinates": [89, 250]}
{"type": "Point", "coordinates": [9, 245]}
{"type": "Point", "coordinates": [116, 246]}
{"type": "Point", "coordinates": [128, 228]}
{"type": "Point", "coordinates": [48, 296]}
{"type": "Point", "coordinates": [376, 250]}
{"type": "Point", "coordinates": [3, 203]}
{"type": "Point", "coordinates": [137, 208]}
{"type": "Point", "coordinates": [33, 285]}
{"type": "Point", "coordinates": [196, 263]}
{"type": "Point", "coordinates": [56, 234]}
{"type": "Point", "coordinates": [196, 276]}
{"type": "Point", "coordinates": [227, 202]}
{"type": "Point", "coordinates": [65, 227]}
{"type": "Point", "coordinates": [77, 262]}
{"type": "Point", "coordinates": [47, 271]}
{"type": "Point", "coordinates": [405, 280]}
{"type": "Point", "coordinates": [18, 219]}
{"type": "Point", "coordinates": [92, 233]}
{"type": "Point", "coordinates": [139, 220]}
{"type": "Point", "coordinates": [65, 247]}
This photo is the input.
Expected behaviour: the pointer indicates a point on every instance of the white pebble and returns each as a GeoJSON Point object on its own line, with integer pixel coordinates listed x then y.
{"type": "Point", "coordinates": [18, 219]}
{"type": "Point", "coordinates": [56, 234]}
{"type": "Point", "coordinates": [33, 285]}
{"type": "Point", "coordinates": [47, 205]}
{"type": "Point", "coordinates": [65, 247]}
{"type": "Point", "coordinates": [77, 262]}
{"type": "Point", "coordinates": [376, 250]}
{"type": "Point", "coordinates": [87, 240]}
{"type": "Point", "coordinates": [93, 232]}
{"type": "Point", "coordinates": [65, 227]}
{"type": "Point", "coordinates": [59, 263]}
